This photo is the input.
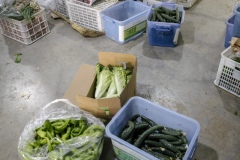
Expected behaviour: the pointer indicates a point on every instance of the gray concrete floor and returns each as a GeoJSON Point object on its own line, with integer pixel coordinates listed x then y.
{"type": "Point", "coordinates": [179, 78]}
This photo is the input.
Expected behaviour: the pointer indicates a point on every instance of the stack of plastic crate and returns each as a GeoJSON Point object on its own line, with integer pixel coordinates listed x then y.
{"type": "Point", "coordinates": [61, 7]}
{"type": "Point", "coordinates": [228, 75]}
{"type": "Point", "coordinates": [86, 15]}
{"type": "Point", "coordinates": [24, 32]}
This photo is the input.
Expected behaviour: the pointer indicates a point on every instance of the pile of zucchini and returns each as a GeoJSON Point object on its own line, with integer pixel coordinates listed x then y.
{"type": "Point", "coordinates": [162, 142]}
{"type": "Point", "coordinates": [162, 14]}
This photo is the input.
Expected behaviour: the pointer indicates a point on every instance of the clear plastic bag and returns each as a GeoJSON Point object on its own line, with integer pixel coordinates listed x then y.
{"type": "Point", "coordinates": [74, 148]}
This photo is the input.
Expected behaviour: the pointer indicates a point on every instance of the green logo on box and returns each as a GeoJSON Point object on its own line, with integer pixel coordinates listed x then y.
{"type": "Point", "coordinates": [123, 155]}
{"type": "Point", "coordinates": [130, 32]}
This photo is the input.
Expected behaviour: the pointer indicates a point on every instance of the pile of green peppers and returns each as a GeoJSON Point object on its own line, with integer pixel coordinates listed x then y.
{"type": "Point", "coordinates": [59, 131]}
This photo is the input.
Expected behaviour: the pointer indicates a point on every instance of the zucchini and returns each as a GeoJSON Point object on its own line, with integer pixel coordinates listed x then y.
{"type": "Point", "coordinates": [145, 119]}
{"type": "Point", "coordinates": [172, 132]}
{"type": "Point", "coordinates": [127, 131]}
{"type": "Point", "coordinates": [142, 137]}
{"type": "Point", "coordinates": [169, 18]}
{"type": "Point", "coordinates": [169, 145]}
{"type": "Point", "coordinates": [162, 136]}
{"type": "Point", "coordinates": [154, 143]}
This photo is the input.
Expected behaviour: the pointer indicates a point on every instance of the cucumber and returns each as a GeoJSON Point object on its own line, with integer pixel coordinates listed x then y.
{"type": "Point", "coordinates": [178, 142]}
{"type": "Point", "coordinates": [162, 136]}
{"type": "Point", "coordinates": [164, 151]}
{"type": "Point", "coordinates": [184, 139]}
{"type": "Point", "coordinates": [154, 143]}
{"type": "Point", "coordinates": [142, 137]}
{"type": "Point", "coordinates": [135, 117]}
{"type": "Point", "coordinates": [141, 126]}
{"type": "Point", "coordinates": [127, 131]}
{"type": "Point", "coordinates": [156, 154]}
{"type": "Point", "coordinates": [182, 148]}
{"type": "Point", "coordinates": [160, 18]}
{"type": "Point", "coordinates": [150, 18]}
{"type": "Point", "coordinates": [172, 132]}
{"type": "Point", "coordinates": [145, 119]}
{"type": "Point", "coordinates": [168, 11]}
{"type": "Point", "coordinates": [169, 146]}
{"type": "Point", "coordinates": [169, 18]}
{"type": "Point", "coordinates": [154, 17]}
{"type": "Point", "coordinates": [177, 14]}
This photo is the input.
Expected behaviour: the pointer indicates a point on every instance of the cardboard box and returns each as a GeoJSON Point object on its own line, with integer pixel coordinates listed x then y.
{"type": "Point", "coordinates": [82, 88]}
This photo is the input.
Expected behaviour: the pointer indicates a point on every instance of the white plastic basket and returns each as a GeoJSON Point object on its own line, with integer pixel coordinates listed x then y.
{"type": "Point", "coordinates": [24, 32]}
{"type": "Point", "coordinates": [61, 7]}
{"type": "Point", "coordinates": [228, 76]}
{"type": "Point", "coordinates": [88, 16]}
{"type": "Point", "coordinates": [151, 2]}
{"type": "Point", "coordinates": [186, 3]}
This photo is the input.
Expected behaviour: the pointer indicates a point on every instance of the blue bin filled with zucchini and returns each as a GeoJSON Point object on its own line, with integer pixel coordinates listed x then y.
{"type": "Point", "coordinates": [164, 22]}
{"type": "Point", "coordinates": [144, 130]}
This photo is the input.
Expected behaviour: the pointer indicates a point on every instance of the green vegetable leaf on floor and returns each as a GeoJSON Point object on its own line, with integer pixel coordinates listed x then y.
{"type": "Point", "coordinates": [18, 58]}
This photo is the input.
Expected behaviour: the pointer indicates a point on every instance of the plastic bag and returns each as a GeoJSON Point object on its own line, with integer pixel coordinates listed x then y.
{"type": "Point", "coordinates": [74, 148]}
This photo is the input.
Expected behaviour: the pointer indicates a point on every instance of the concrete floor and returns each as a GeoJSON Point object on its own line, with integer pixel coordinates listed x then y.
{"type": "Point", "coordinates": [179, 78]}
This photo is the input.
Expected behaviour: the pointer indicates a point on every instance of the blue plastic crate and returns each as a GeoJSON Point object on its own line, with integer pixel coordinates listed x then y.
{"type": "Point", "coordinates": [125, 21]}
{"type": "Point", "coordinates": [162, 33]}
{"type": "Point", "coordinates": [159, 114]}
{"type": "Point", "coordinates": [229, 30]}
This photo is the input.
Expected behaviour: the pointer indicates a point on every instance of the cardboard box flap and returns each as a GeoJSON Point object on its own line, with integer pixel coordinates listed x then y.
{"type": "Point", "coordinates": [81, 83]}
{"type": "Point", "coordinates": [116, 59]}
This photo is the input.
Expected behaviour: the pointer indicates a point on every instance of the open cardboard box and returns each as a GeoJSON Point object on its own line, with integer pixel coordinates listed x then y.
{"type": "Point", "coordinates": [82, 88]}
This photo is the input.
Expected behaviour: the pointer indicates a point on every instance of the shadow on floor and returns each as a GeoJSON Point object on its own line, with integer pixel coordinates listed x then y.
{"type": "Point", "coordinates": [163, 53]}
{"type": "Point", "coordinates": [209, 153]}
{"type": "Point", "coordinates": [230, 102]}
{"type": "Point", "coordinates": [194, 5]}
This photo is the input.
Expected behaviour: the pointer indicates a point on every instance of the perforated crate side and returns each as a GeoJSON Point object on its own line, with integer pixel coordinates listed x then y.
{"type": "Point", "coordinates": [61, 7]}
{"type": "Point", "coordinates": [228, 77]}
{"type": "Point", "coordinates": [23, 32]}
{"type": "Point", "coordinates": [186, 3]}
{"type": "Point", "coordinates": [88, 16]}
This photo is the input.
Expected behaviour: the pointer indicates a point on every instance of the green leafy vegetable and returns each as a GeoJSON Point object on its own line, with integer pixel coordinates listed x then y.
{"type": "Point", "coordinates": [104, 79]}
{"type": "Point", "coordinates": [18, 58]}
{"type": "Point", "coordinates": [120, 78]}
{"type": "Point", "coordinates": [112, 90]}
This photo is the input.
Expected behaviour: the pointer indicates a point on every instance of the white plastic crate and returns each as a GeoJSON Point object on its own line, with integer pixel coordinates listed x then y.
{"type": "Point", "coordinates": [88, 16]}
{"type": "Point", "coordinates": [61, 7]}
{"type": "Point", "coordinates": [228, 76]}
{"type": "Point", "coordinates": [186, 3]}
{"type": "Point", "coordinates": [24, 32]}
{"type": "Point", "coordinates": [151, 2]}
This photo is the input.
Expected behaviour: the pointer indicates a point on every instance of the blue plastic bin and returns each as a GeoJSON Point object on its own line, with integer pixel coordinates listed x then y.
{"type": "Point", "coordinates": [236, 27]}
{"type": "Point", "coordinates": [125, 21]}
{"type": "Point", "coordinates": [162, 33]}
{"type": "Point", "coordinates": [229, 31]}
{"type": "Point", "coordinates": [159, 114]}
